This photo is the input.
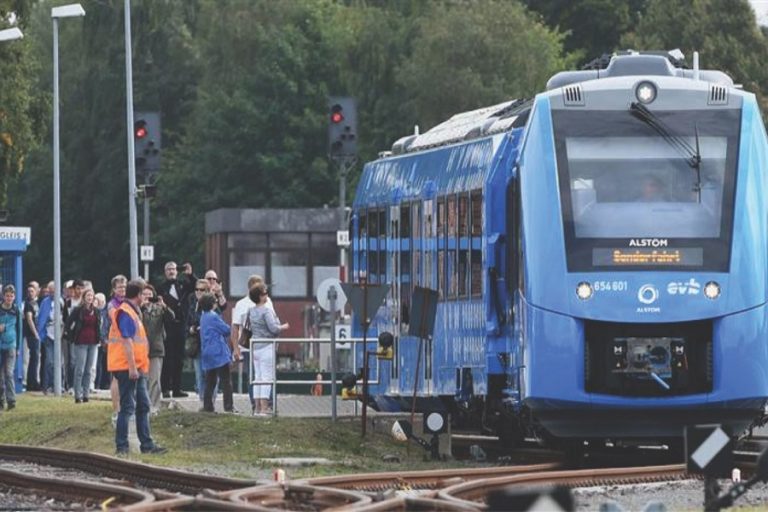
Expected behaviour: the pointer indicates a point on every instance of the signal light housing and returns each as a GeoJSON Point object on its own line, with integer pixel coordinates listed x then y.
{"type": "Point", "coordinates": [147, 141]}
{"type": "Point", "coordinates": [342, 127]}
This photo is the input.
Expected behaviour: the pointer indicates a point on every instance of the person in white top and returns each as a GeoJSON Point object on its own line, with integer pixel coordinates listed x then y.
{"type": "Point", "coordinates": [239, 315]}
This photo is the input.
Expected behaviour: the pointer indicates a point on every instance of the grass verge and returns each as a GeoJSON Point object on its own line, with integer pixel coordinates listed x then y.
{"type": "Point", "coordinates": [226, 445]}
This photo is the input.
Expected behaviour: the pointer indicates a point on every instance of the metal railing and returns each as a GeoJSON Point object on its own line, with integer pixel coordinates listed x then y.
{"type": "Point", "coordinates": [312, 341]}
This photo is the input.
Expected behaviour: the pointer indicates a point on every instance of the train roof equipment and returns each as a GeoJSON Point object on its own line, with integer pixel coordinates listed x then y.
{"type": "Point", "coordinates": [467, 126]}
{"type": "Point", "coordinates": [632, 63]}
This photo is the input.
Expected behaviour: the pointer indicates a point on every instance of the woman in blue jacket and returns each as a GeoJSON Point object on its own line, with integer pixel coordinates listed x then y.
{"type": "Point", "coordinates": [10, 327]}
{"type": "Point", "coordinates": [215, 354]}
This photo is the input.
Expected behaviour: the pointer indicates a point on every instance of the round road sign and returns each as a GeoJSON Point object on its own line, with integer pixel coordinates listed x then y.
{"type": "Point", "coordinates": [322, 294]}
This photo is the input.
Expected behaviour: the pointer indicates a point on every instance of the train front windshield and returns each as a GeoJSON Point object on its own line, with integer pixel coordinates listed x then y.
{"type": "Point", "coordinates": [647, 189]}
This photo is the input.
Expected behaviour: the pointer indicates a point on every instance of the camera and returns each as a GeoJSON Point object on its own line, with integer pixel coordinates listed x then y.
{"type": "Point", "coordinates": [153, 299]}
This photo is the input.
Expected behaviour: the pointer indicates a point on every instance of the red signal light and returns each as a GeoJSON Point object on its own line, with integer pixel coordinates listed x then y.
{"type": "Point", "coordinates": [337, 117]}
{"type": "Point", "coordinates": [140, 132]}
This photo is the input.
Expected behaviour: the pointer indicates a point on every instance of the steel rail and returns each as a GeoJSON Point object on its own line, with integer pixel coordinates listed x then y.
{"type": "Point", "coordinates": [409, 480]}
{"type": "Point", "coordinates": [473, 493]}
{"type": "Point", "coordinates": [119, 469]}
{"type": "Point", "coordinates": [103, 494]}
{"type": "Point", "coordinates": [192, 503]}
{"type": "Point", "coordinates": [285, 496]}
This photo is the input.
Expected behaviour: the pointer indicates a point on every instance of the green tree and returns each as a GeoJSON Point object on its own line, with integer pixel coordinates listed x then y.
{"type": "Point", "coordinates": [256, 137]}
{"type": "Point", "coordinates": [18, 130]}
{"type": "Point", "coordinates": [592, 27]}
{"type": "Point", "coordinates": [472, 54]}
{"type": "Point", "coordinates": [724, 32]}
{"type": "Point", "coordinates": [94, 161]}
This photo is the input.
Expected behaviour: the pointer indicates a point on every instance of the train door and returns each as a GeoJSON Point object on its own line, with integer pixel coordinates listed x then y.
{"type": "Point", "coordinates": [393, 301]}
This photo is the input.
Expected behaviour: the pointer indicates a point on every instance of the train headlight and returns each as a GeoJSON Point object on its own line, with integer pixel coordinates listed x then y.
{"type": "Point", "coordinates": [645, 92]}
{"type": "Point", "coordinates": [712, 290]}
{"type": "Point", "coordinates": [584, 290]}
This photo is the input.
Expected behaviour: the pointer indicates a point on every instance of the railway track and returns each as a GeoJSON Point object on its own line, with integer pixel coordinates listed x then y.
{"type": "Point", "coordinates": [153, 477]}
{"type": "Point", "coordinates": [475, 493]}
{"type": "Point", "coordinates": [423, 480]}
{"type": "Point", "coordinates": [89, 494]}
{"type": "Point", "coordinates": [447, 489]}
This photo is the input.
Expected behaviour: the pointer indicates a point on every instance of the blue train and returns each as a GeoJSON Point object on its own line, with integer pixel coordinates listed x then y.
{"type": "Point", "coordinates": [599, 253]}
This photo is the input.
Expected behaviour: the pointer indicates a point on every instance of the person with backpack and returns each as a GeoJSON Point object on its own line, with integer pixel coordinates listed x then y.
{"type": "Point", "coordinates": [10, 328]}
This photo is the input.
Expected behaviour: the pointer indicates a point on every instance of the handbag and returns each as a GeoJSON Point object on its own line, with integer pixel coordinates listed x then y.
{"type": "Point", "coordinates": [245, 333]}
{"type": "Point", "coordinates": [192, 345]}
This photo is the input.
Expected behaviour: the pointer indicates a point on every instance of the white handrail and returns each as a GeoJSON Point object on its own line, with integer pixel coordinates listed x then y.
{"type": "Point", "coordinates": [317, 341]}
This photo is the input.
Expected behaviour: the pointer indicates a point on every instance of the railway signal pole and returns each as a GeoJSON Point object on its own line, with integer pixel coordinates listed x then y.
{"type": "Point", "coordinates": [342, 150]}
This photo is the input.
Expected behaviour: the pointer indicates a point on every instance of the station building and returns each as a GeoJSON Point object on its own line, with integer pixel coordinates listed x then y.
{"type": "Point", "coordinates": [294, 249]}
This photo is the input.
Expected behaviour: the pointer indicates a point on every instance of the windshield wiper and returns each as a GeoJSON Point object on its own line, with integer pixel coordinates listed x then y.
{"type": "Point", "coordinates": [692, 154]}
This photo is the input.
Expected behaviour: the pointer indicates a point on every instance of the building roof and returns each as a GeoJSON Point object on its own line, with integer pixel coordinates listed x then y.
{"type": "Point", "coordinates": [272, 220]}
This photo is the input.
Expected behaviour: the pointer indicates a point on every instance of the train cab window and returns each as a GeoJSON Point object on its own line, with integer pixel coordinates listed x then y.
{"type": "Point", "coordinates": [621, 180]}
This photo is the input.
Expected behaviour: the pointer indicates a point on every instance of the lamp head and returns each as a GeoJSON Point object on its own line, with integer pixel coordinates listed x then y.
{"type": "Point", "coordinates": [67, 11]}
{"type": "Point", "coordinates": [10, 34]}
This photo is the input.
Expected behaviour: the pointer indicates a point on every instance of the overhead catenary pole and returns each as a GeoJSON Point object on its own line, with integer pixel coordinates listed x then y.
{"type": "Point", "coordinates": [133, 223]}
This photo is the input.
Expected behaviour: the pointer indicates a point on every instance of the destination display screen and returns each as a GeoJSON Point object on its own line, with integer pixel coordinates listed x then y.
{"type": "Point", "coordinates": [621, 257]}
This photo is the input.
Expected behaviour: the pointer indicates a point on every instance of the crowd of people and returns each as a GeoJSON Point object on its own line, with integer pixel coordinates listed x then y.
{"type": "Point", "coordinates": [136, 341]}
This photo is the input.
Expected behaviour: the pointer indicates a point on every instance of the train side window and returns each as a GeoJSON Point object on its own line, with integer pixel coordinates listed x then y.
{"type": "Point", "coordinates": [476, 231]}
{"type": "Point", "coordinates": [451, 216]}
{"type": "Point", "coordinates": [477, 273]}
{"type": "Point", "coordinates": [405, 243]}
{"type": "Point", "coordinates": [417, 245]}
{"type": "Point", "coordinates": [440, 216]}
{"type": "Point", "coordinates": [382, 246]}
{"type": "Point", "coordinates": [441, 273]}
{"type": "Point", "coordinates": [451, 273]}
{"type": "Point", "coordinates": [464, 246]}
{"type": "Point", "coordinates": [440, 241]}
{"type": "Point", "coordinates": [463, 272]}
{"type": "Point", "coordinates": [405, 221]}
{"type": "Point", "coordinates": [476, 199]}
{"type": "Point", "coordinates": [463, 215]}
{"type": "Point", "coordinates": [429, 231]}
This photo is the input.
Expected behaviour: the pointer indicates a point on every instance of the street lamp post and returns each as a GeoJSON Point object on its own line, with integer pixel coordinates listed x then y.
{"type": "Point", "coordinates": [64, 11]}
{"type": "Point", "coordinates": [132, 220]}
